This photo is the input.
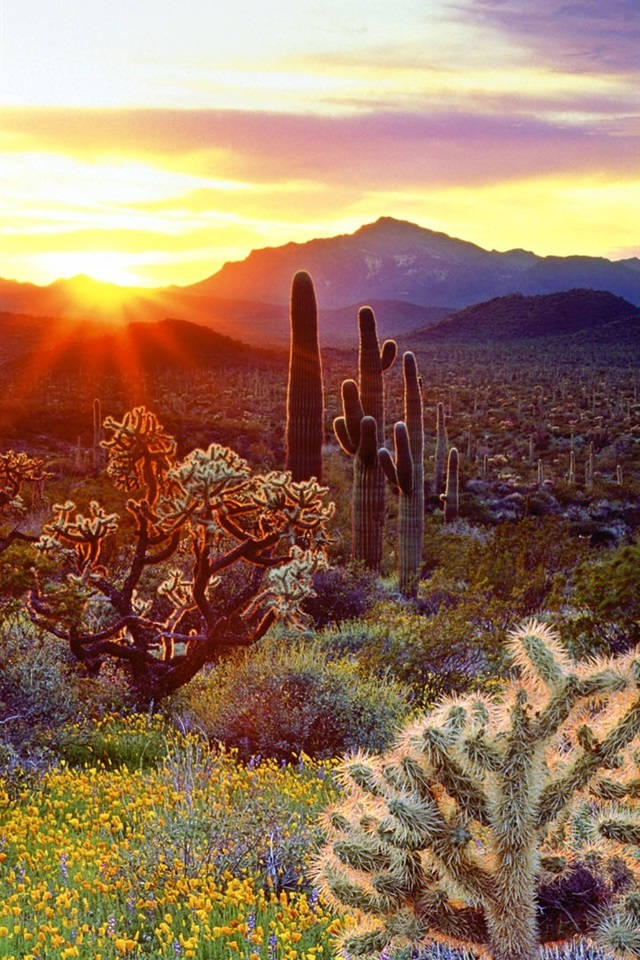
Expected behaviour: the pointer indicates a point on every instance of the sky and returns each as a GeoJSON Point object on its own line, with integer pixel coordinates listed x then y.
{"type": "Point", "coordinates": [149, 142]}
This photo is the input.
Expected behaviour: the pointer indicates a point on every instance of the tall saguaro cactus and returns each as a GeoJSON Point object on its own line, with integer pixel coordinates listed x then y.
{"type": "Point", "coordinates": [305, 395]}
{"type": "Point", "coordinates": [450, 836]}
{"type": "Point", "coordinates": [406, 474]}
{"type": "Point", "coordinates": [357, 434]}
{"type": "Point", "coordinates": [366, 399]}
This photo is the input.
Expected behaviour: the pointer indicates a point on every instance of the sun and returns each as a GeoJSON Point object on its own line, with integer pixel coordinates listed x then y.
{"type": "Point", "coordinates": [104, 266]}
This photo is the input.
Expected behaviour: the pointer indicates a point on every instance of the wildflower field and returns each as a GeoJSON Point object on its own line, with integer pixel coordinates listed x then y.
{"type": "Point", "coordinates": [193, 856]}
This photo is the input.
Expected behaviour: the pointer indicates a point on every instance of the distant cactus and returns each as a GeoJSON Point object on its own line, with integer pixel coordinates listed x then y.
{"type": "Point", "coordinates": [451, 493]}
{"type": "Point", "coordinates": [406, 474]}
{"type": "Point", "coordinates": [96, 449]}
{"type": "Point", "coordinates": [366, 399]}
{"type": "Point", "coordinates": [441, 451]}
{"type": "Point", "coordinates": [449, 837]}
{"type": "Point", "coordinates": [305, 396]}
{"type": "Point", "coordinates": [572, 466]}
{"type": "Point", "coordinates": [588, 469]}
{"type": "Point", "coordinates": [540, 473]}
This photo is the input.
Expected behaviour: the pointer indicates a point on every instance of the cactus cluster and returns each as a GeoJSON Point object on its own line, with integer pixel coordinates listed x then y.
{"type": "Point", "coordinates": [451, 835]}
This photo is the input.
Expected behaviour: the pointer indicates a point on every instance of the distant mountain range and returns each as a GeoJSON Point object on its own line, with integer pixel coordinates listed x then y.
{"type": "Point", "coordinates": [413, 277]}
{"type": "Point", "coordinates": [397, 260]}
{"type": "Point", "coordinates": [516, 317]}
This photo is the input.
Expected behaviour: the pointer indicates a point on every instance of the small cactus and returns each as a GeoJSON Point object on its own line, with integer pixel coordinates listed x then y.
{"type": "Point", "coordinates": [450, 496]}
{"type": "Point", "coordinates": [305, 395]}
{"type": "Point", "coordinates": [441, 451]}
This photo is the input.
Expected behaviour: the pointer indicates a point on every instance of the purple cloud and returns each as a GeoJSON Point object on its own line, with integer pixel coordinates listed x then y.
{"type": "Point", "coordinates": [375, 150]}
{"type": "Point", "coordinates": [584, 36]}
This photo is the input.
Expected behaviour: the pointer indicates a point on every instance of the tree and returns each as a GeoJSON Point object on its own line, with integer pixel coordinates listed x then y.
{"type": "Point", "coordinates": [166, 604]}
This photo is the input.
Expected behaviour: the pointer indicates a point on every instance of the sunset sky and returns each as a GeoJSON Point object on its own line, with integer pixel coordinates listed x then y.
{"type": "Point", "coordinates": [148, 142]}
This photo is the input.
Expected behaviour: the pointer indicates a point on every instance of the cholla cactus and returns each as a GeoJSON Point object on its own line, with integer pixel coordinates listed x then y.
{"type": "Point", "coordinates": [16, 470]}
{"type": "Point", "coordinates": [448, 837]}
{"type": "Point", "coordinates": [208, 504]}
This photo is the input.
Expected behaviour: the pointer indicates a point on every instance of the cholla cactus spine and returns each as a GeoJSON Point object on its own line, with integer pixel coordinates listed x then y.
{"type": "Point", "coordinates": [447, 837]}
{"type": "Point", "coordinates": [305, 395]}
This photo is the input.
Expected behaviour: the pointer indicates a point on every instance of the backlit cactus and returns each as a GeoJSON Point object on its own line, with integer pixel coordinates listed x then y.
{"type": "Point", "coordinates": [449, 836]}
{"type": "Point", "coordinates": [305, 395]}
{"type": "Point", "coordinates": [406, 474]}
{"type": "Point", "coordinates": [366, 399]}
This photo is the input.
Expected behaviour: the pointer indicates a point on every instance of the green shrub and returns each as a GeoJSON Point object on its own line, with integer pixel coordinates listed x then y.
{"type": "Point", "coordinates": [41, 691]}
{"type": "Point", "coordinates": [342, 593]}
{"type": "Point", "coordinates": [137, 741]}
{"type": "Point", "coordinates": [287, 698]}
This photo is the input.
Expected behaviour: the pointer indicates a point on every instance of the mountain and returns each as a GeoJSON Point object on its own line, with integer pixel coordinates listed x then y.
{"type": "Point", "coordinates": [398, 260]}
{"type": "Point", "coordinates": [410, 275]}
{"type": "Point", "coordinates": [518, 317]}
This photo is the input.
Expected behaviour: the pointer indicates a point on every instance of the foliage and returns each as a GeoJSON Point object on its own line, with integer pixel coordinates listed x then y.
{"type": "Point", "coordinates": [41, 691]}
{"type": "Point", "coordinates": [606, 603]}
{"type": "Point", "coordinates": [206, 514]}
{"type": "Point", "coordinates": [450, 835]}
{"type": "Point", "coordinates": [191, 859]}
{"type": "Point", "coordinates": [342, 593]}
{"type": "Point", "coordinates": [282, 699]}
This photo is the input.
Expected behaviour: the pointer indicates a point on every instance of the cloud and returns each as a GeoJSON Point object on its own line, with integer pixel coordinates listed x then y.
{"type": "Point", "coordinates": [379, 149]}
{"type": "Point", "coordinates": [580, 35]}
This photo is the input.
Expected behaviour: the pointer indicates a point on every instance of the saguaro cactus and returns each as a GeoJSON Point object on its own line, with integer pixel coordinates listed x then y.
{"type": "Point", "coordinates": [305, 396]}
{"type": "Point", "coordinates": [450, 835]}
{"type": "Point", "coordinates": [450, 496]}
{"type": "Point", "coordinates": [357, 434]}
{"type": "Point", "coordinates": [441, 451]}
{"type": "Point", "coordinates": [406, 474]}
{"type": "Point", "coordinates": [366, 399]}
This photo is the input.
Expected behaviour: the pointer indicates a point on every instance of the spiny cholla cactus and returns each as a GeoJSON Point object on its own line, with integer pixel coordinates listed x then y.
{"type": "Point", "coordinates": [448, 837]}
{"type": "Point", "coordinates": [16, 470]}
{"type": "Point", "coordinates": [209, 505]}
{"type": "Point", "coordinates": [305, 395]}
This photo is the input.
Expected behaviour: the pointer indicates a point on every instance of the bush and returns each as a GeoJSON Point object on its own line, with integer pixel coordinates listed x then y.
{"type": "Point", "coordinates": [283, 699]}
{"type": "Point", "coordinates": [41, 691]}
{"type": "Point", "coordinates": [431, 655]}
{"type": "Point", "coordinates": [342, 593]}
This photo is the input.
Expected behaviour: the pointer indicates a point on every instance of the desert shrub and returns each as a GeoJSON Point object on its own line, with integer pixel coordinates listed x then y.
{"type": "Point", "coordinates": [606, 604]}
{"type": "Point", "coordinates": [41, 691]}
{"type": "Point", "coordinates": [342, 593]}
{"type": "Point", "coordinates": [450, 650]}
{"type": "Point", "coordinates": [286, 698]}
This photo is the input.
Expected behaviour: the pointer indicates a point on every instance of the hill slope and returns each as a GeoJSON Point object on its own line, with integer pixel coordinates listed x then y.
{"type": "Point", "coordinates": [519, 317]}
